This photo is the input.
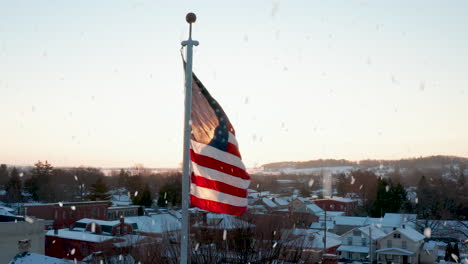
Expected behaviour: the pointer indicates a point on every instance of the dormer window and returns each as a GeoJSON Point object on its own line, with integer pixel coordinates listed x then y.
{"type": "Point", "coordinates": [396, 235]}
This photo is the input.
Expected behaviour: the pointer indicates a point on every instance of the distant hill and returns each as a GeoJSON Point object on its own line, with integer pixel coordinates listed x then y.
{"type": "Point", "coordinates": [421, 162]}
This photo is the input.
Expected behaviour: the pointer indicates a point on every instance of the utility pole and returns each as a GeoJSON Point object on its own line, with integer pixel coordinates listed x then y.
{"type": "Point", "coordinates": [370, 245]}
{"type": "Point", "coordinates": [324, 236]}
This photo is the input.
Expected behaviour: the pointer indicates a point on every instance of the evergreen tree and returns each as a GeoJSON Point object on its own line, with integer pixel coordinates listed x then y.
{"type": "Point", "coordinates": [39, 183]}
{"type": "Point", "coordinates": [99, 191]}
{"type": "Point", "coordinates": [3, 174]}
{"type": "Point", "coordinates": [456, 252]}
{"type": "Point", "coordinates": [13, 187]}
{"type": "Point", "coordinates": [122, 178]}
{"type": "Point", "coordinates": [390, 198]}
{"type": "Point", "coordinates": [170, 194]}
{"type": "Point", "coordinates": [448, 252]}
{"type": "Point", "coordinates": [144, 199]}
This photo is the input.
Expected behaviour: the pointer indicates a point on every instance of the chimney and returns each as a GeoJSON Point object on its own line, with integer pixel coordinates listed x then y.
{"type": "Point", "coordinates": [122, 224]}
{"type": "Point", "coordinates": [394, 228]}
{"type": "Point", "coordinates": [403, 226]}
{"type": "Point", "coordinates": [24, 246]}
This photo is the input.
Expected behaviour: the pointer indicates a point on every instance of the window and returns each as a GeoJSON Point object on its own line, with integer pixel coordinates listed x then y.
{"type": "Point", "coordinates": [403, 244]}
{"type": "Point", "coordinates": [396, 235]}
{"type": "Point", "coordinates": [364, 242]}
{"type": "Point", "coordinates": [350, 240]}
{"type": "Point", "coordinates": [389, 243]}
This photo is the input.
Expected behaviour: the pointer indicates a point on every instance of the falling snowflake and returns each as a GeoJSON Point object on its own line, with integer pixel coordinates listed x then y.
{"type": "Point", "coordinates": [73, 208]}
{"type": "Point", "coordinates": [311, 182]}
{"type": "Point", "coordinates": [427, 232]}
{"type": "Point", "coordinates": [224, 234]}
{"type": "Point", "coordinates": [352, 180]}
{"type": "Point", "coordinates": [136, 193]}
{"type": "Point", "coordinates": [93, 227]}
{"type": "Point", "coordinates": [274, 245]}
{"type": "Point", "coordinates": [60, 204]}
{"type": "Point", "coordinates": [72, 252]}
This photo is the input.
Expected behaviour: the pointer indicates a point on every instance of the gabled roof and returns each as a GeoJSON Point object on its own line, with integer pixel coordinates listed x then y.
{"type": "Point", "coordinates": [314, 208]}
{"type": "Point", "coordinates": [281, 201]}
{"type": "Point", "coordinates": [376, 233]}
{"type": "Point", "coordinates": [396, 220]}
{"type": "Point", "coordinates": [408, 232]}
{"type": "Point", "coordinates": [269, 202]}
{"type": "Point", "coordinates": [313, 241]}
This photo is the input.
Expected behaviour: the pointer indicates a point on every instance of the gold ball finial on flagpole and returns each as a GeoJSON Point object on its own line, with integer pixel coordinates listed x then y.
{"type": "Point", "coordinates": [191, 18]}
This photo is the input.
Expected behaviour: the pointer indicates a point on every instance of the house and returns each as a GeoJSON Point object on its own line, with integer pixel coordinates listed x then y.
{"type": "Point", "coordinates": [34, 258]}
{"type": "Point", "coordinates": [64, 214]}
{"type": "Point", "coordinates": [429, 252]}
{"type": "Point", "coordinates": [268, 203]}
{"type": "Point", "coordinates": [401, 246]}
{"type": "Point", "coordinates": [308, 246]}
{"type": "Point", "coordinates": [155, 225]}
{"type": "Point", "coordinates": [14, 229]}
{"type": "Point", "coordinates": [298, 202]}
{"type": "Point", "coordinates": [281, 202]}
{"type": "Point", "coordinates": [310, 209]}
{"type": "Point", "coordinates": [90, 236]}
{"type": "Point", "coordinates": [114, 212]}
{"type": "Point", "coordinates": [358, 242]}
{"type": "Point", "coordinates": [346, 205]}
{"type": "Point", "coordinates": [392, 220]}
{"type": "Point", "coordinates": [345, 223]}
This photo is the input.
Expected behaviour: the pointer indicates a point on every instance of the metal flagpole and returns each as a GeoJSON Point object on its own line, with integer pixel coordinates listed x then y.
{"type": "Point", "coordinates": [184, 245]}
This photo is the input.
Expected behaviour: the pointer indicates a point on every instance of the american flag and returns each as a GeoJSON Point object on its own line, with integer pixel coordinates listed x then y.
{"type": "Point", "coordinates": [219, 180]}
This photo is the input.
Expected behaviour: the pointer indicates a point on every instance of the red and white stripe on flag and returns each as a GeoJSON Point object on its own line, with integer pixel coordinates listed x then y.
{"type": "Point", "coordinates": [219, 179]}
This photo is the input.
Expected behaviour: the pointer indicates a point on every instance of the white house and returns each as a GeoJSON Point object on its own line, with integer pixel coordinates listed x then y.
{"type": "Point", "coordinates": [401, 246]}
{"type": "Point", "coordinates": [358, 242]}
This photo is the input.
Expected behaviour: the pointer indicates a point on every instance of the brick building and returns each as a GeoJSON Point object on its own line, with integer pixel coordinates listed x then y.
{"type": "Point", "coordinates": [89, 236]}
{"type": "Point", "coordinates": [64, 214]}
{"type": "Point", "coordinates": [337, 204]}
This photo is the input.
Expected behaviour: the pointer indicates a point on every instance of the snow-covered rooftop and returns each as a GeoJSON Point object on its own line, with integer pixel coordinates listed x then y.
{"type": "Point", "coordinates": [34, 258]}
{"type": "Point", "coordinates": [281, 201]}
{"type": "Point", "coordinates": [77, 235]}
{"type": "Point", "coordinates": [357, 249]}
{"type": "Point", "coordinates": [269, 202]}
{"type": "Point", "coordinates": [396, 220]}
{"type": "Point", "coordinates": [356, 220]}
{"type": "Point", "coordinates": [395, 251]}
{"type": "Point", "coordinates": [429, 245]}
{"type": "Point", "coordinates": [314, 209]}
{"type": "Point", "coordinates": [410, 233]}
{"type": "Point", "coordinates": [158, 223]}
{"type": "Point", "coordinates": [377, 233]}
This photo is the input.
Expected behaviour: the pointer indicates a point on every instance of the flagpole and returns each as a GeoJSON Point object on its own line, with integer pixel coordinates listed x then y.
{"type": "Point", "coordinates": [184, 245]}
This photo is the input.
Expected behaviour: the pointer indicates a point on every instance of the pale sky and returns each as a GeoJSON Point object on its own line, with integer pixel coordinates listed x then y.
{"type": "Point", "coordinates": [100, 83]}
